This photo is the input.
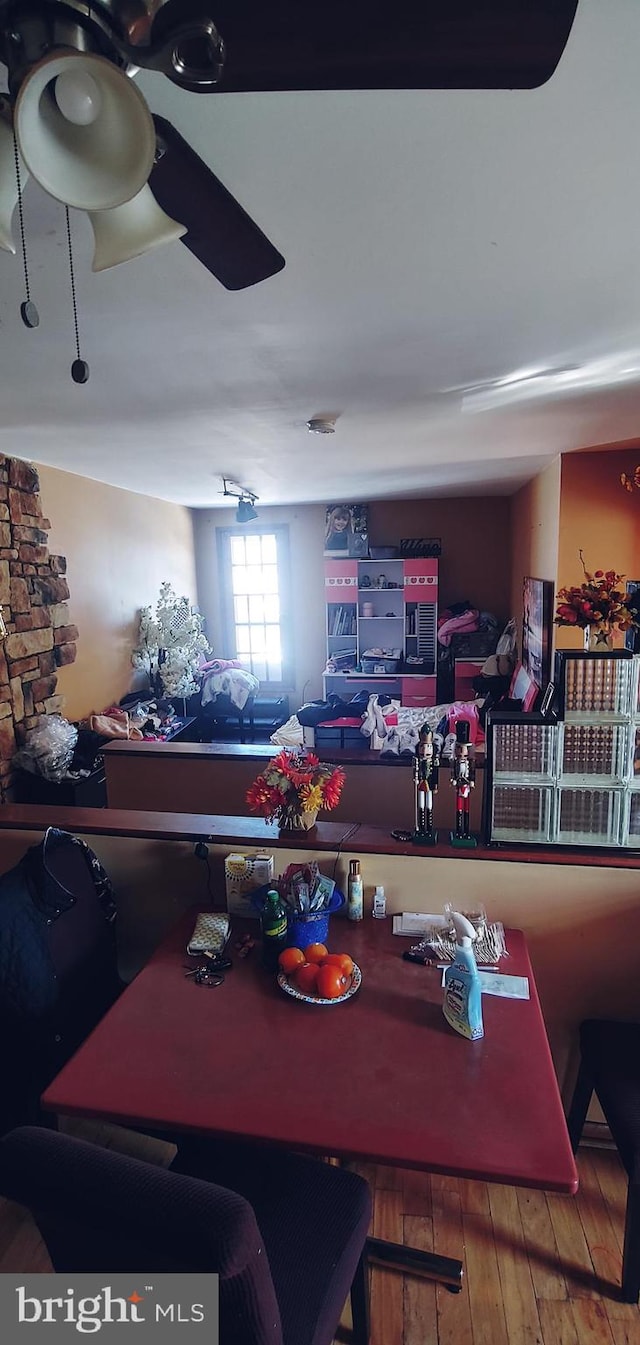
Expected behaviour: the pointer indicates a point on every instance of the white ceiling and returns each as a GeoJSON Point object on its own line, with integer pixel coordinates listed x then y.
{"type": "Point", "coordinates": [433, 240]}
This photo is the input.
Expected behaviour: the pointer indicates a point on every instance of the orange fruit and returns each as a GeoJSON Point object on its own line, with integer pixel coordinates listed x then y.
{"type": "Point", "coordinates": [331, 982]}
{"type": "Point", "coordinates": [305, 978]}
{"type": "Point", "coordinates": [341, 960]}
{"type": "Point", "coordinates": [346, 963]}
{"type": "Point", "coordinates": [290, 958]}
{"type": "Point", "coordinates": [315, 952]}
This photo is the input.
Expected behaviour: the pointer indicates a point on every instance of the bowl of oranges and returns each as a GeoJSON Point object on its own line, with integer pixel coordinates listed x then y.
{"type": "Point", "coordinates": [316, 976]}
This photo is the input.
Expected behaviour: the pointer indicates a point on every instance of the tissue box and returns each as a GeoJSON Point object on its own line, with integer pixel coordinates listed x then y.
{"type": "Point", "coordinates": [242, 875]}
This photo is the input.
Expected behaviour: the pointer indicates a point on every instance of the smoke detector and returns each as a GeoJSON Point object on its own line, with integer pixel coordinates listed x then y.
{"type": "Point", "coordinates": [322, 425]}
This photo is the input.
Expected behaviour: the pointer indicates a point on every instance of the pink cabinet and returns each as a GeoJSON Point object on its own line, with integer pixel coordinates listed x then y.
{"type": "Point", "coordinates": [382, 605]}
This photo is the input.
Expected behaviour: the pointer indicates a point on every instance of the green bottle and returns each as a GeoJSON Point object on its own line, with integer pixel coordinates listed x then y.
{"type": "Point", "coordinates": [274, 930]}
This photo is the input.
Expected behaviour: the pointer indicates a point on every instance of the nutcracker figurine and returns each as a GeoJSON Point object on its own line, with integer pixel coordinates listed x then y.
{"type": "Point", "coordinates": [426, 764]}
{"type": "Point", "coordinates": [463, 778]}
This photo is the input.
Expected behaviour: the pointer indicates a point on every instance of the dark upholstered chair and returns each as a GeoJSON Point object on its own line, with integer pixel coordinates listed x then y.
{"type": "Point", "coordinates": [610, 1067]}
{"type": "Point", "coordinates": [285, 1233]}
{"type": "Point", "coordinates": [58, 969]}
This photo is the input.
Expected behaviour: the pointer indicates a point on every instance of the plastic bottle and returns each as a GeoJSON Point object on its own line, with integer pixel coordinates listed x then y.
{"type": "Point", "coordinates": [462, 1006]}
{"type": "Point", "coordinates": [274, 930]}
{"type": "Point", "coordinates": [355, 891]}
{"type": "Point", "coordinates": [379, 908]}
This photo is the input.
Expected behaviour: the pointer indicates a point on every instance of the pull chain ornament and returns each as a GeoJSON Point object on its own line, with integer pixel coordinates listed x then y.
{"type": "Point", "coordinates": [79, 368]}
{"type": "Point", "coordinates": [28, 311]}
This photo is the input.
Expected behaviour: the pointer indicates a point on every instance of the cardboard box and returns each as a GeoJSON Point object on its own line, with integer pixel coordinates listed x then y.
{"type": "Point", "coordinates": [242, 875]}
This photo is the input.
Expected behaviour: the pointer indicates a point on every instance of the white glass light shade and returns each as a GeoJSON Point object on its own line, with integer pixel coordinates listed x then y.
{"type": "Point", "coordinates": [131, 229]}
{"type": "Point", "coordinates": [95, 166]}
{"type": "Point", "coordinates": [78, 97]}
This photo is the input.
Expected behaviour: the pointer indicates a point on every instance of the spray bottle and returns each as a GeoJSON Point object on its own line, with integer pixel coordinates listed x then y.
{"type": "Point", "coordinates": [462, 1005]}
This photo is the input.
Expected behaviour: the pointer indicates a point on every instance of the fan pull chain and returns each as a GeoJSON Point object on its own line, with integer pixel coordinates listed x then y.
{"type": "Point", "coordinates": [79, 368]}
{"type": "Point", "coordinates": [28, 311]}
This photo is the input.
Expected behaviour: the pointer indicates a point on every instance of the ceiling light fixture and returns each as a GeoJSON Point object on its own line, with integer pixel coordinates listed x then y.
{"type": "Point", "coordinates": [245, 513]}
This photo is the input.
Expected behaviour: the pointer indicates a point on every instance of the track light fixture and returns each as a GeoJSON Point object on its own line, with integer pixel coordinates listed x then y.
{"type": "Point", "coordinates": [245, 513]}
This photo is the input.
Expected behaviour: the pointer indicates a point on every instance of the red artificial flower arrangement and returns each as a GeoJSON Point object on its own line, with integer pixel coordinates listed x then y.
{"type": "Point", "coordinates": [598, 601]}
{"type": "Point", "coordinates": [293, 786]}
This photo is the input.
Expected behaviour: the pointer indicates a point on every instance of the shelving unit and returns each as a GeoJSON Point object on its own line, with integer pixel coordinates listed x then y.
{"type": "Point", "coordinates": [390, 605]}
{"type": "Point", "coordinates": [577, 781]}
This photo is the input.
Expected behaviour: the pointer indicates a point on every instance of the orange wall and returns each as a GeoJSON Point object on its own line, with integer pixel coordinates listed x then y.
{"type": "Point", "coordinates": [535, 527]}
{"type": "Point", "coordinates": [475, 564]}
{"type": "Point", "coordinates": [599, 517]}
{"type": "Point", "coordinates": [119, 548]}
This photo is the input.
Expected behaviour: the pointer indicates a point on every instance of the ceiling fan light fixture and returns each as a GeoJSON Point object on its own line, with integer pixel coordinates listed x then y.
{"type": "Point", "coordinates": [84, 131]}
{"type": "Point", "coordinates": [130, 230]}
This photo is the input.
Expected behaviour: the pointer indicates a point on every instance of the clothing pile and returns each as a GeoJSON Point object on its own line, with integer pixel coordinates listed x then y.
{"type": "Point", "coordinates": [461, 618]}
{"type": "Point", "coordinates": [398, 726]}
{"type": "Point", "coordinates": [226, 678]}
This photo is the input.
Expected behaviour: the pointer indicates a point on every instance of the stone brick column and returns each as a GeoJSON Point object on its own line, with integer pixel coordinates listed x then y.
{"type": "Point", "coordinates": [33, 594]}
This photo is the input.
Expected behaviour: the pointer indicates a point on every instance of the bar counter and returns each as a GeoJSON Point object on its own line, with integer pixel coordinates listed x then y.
{"type": "Point", "coordinates": [358, 838]}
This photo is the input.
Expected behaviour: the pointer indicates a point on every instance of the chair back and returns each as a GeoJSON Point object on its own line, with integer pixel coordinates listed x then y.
{"type": "Point", "coordinates": [58, 967]}
{"type": "Point", "coordinates": [102, 1212]}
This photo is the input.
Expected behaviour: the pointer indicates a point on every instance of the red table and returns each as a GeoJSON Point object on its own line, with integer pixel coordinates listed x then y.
{"type": "Point", "coordinates": [381, 1078]}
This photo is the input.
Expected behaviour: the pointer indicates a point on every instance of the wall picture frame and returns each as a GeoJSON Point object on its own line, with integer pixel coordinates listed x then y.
{"type": "Point", "coordinates": [346, 531]}
{"type": "Point", "coordinates": [537, 619]}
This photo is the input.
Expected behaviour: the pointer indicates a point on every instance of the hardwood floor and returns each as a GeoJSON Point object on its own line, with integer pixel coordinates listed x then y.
{"type": "Point", "coordinates": [539, 1269]}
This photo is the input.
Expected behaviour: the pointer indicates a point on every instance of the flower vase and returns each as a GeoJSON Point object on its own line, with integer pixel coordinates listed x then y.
{"type": "Point", "coordinates": [290, 821]}
{"type": "Point", "coordinates": [598, 638]}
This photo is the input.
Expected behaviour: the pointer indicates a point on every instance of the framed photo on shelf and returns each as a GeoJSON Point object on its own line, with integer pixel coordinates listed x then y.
{"type": "Point", "coordinates": [537, 617]}
{"type": "Point", "coordinates": [547, 706]}
{"type": "Point", "coordinates": [346, 530]}
{"type": "Point", "coordinates": [523, 688]}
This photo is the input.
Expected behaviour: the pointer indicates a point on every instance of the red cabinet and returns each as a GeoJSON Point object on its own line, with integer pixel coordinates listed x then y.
{"type": "Point", "coordinates": [465, 671]}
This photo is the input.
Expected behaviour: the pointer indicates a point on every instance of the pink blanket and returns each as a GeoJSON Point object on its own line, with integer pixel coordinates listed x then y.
{"type": "Point", "coordinates": [466, 621]}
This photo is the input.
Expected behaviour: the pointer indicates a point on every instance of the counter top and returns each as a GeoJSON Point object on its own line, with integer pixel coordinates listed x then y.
{"type": "Point", "coordinates": [338, 756]}
{"type": "Point", "coordinates": [254, 831]}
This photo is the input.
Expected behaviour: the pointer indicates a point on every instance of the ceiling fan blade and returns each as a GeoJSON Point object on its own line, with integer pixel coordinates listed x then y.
{"type": "Point", "coordinates": [219, 232]}
{"type": "Point", "coordinates": [367, 44]}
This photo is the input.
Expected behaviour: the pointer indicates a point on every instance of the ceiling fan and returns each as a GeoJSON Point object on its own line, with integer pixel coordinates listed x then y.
{"type": "Point", "coordinates": [85, 133]}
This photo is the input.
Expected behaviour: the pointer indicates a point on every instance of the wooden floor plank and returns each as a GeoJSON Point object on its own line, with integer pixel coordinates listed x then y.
{"type": "Point", "coordinates": [387, 1305]}
{"type": "Point", "coordinates": [558, 1322]}
{"type": "Point", "coordinates": [483, 1281]}
{"type": "Point", "coordinates": [420, 1316]}
{"type": "Point", "coordinates": [541, 1245]}
{"type": "Point", "coordinates": [454, 1311]}
{"type": "Point", "coordinates": [599, 1232]}
{"type": "Point", "coordinates": [518, 1297]}
{"type": "Point", "coordinates": [612, 1180]}
{"type": "Point", "coordinates": [572, 1245]}
{"type": "Point", "coordinates": [416, 1194]}
{"type": "Point", "coordinates": [592, 1323]}
{"type": "Point", "coordinates": [474, 1197]}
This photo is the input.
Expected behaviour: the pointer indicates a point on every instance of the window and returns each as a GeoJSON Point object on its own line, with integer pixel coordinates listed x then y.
{"type": "Point", "coordinates": [254, 570]}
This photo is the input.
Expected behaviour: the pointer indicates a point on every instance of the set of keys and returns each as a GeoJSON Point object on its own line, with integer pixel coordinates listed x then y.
{"type": "Point", "coordinates": [211, 972]}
